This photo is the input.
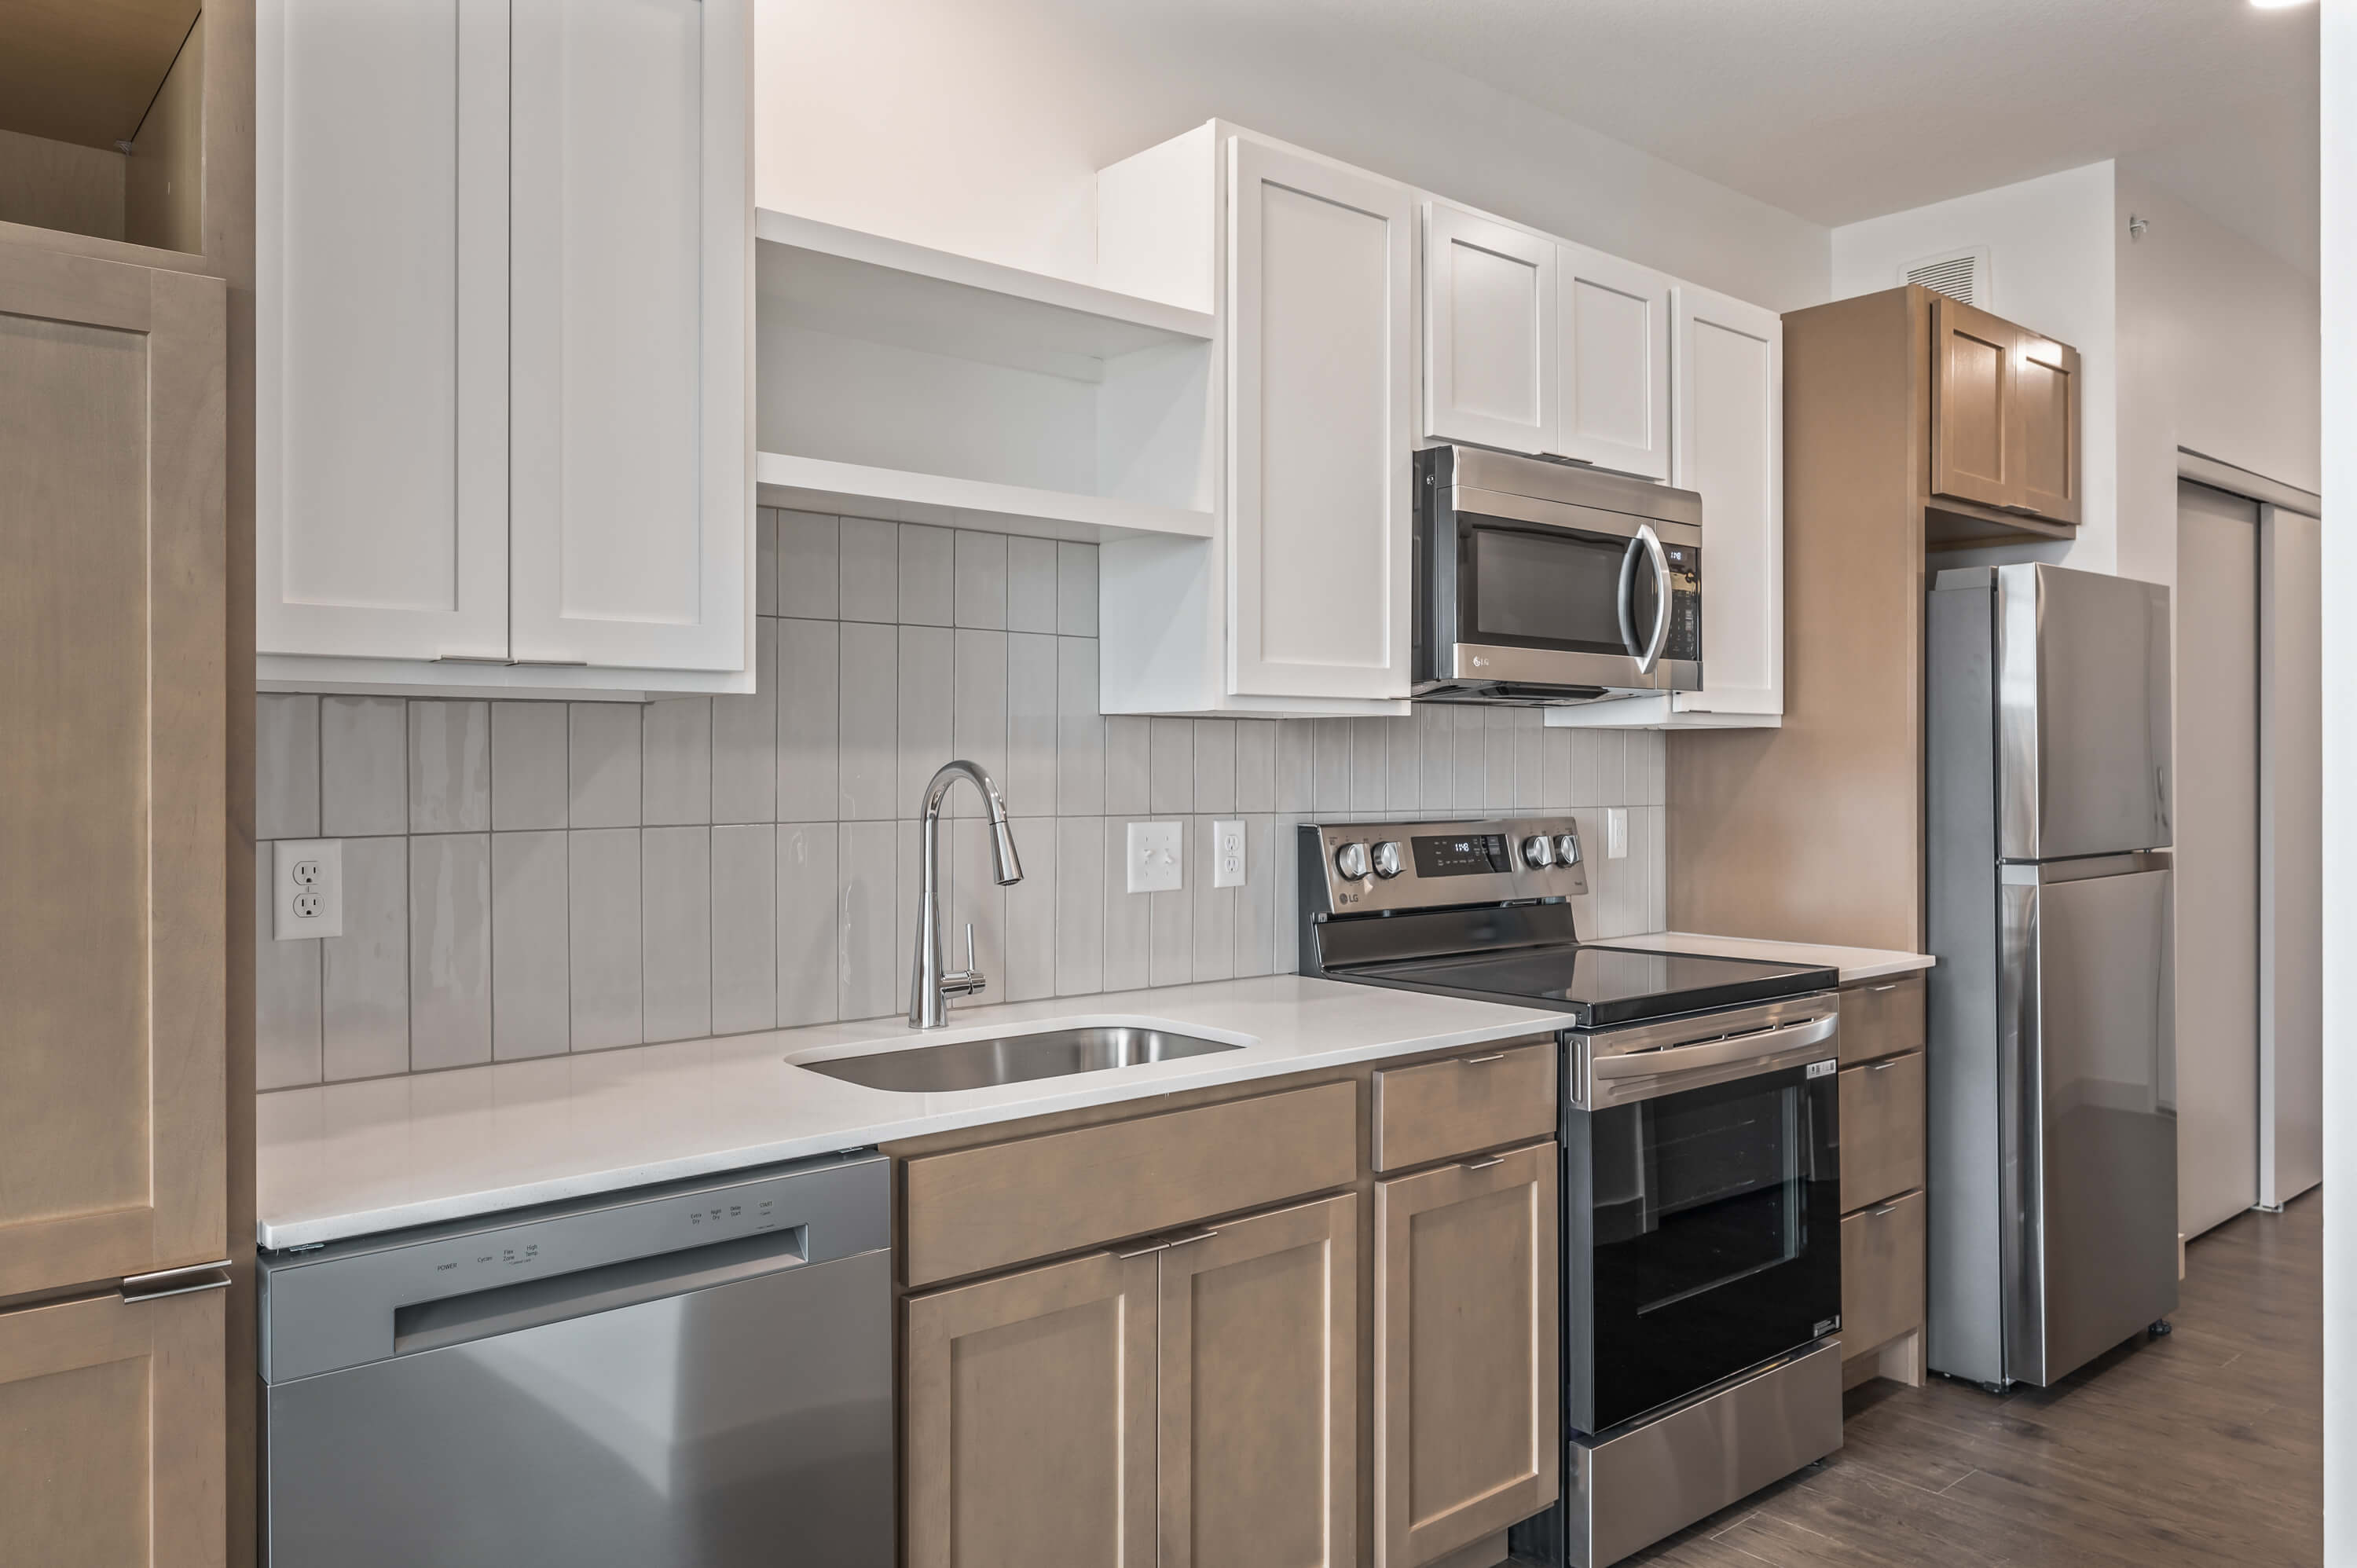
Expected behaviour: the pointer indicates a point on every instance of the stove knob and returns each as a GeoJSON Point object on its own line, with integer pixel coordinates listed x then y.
{"type": "Point", "coordinates": [1388, 864]}
{"type": "Point", "coordinates": [1538, 851]}
{"type": "Point", "coordinates": [1350, 861]}
{"type": "Point", "coordinates": [1566, 849]}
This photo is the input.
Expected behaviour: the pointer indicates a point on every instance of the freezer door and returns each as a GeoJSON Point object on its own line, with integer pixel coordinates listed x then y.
{"type": "Point", "coordinates": [2089, 1121]}
{"type": "Point", "coordinates": [2082, 700]}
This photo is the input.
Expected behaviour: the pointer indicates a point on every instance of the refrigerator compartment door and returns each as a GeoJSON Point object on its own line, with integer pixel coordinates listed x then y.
{"type": "Point", "coordinates": [2082, 700]}
{"type": "Point", "coordinates": [2088, 1099]}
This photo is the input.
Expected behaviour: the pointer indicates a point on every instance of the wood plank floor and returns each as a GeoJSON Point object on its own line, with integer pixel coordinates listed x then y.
{"type": "Point", "coordinates": [2204, 1447]}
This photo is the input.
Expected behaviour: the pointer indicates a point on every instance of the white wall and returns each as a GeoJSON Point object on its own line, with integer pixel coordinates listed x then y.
{"type": "Point", "coordinates": [2051, 268]}
{"type": "Point", "coordinates": [2340, 379]}
{"type": "Point", "coordinates": [978, 126]}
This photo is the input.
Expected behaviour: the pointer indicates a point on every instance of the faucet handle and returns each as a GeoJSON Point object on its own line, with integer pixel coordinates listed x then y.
{"type": "Point", "coordinates": [968, 980]}
{"type": "Point", "coordinates": [969, 948]}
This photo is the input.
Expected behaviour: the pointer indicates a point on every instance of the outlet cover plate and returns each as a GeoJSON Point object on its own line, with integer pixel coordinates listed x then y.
{"type": "Point", "coordinates": [1616, 832]}
{"type": "Point", "coordinates": [1227, 854]}
{"type": "Point", "coordinates": [1156, 858]}
{"type": "Point", "coordinates": [307, 888]}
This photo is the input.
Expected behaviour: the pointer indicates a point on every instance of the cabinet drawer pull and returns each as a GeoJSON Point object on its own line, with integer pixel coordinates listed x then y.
{"type": "Point", "coordinates": [1886, 1209]}
{"type": "Point", "coordinates": [1886, 1064]}
{"type": "Point", "coordinates": [1481, 1164]}
{"type": "Point", "coordinates": [1142, 1251]}
{"type": "Point", "coordinates": [185, 1281]}
{"type": "Point", "coordinates": [1477, 1061]}
{"type": "Point", "coordinates": [1198, 1235]}
{"type": "Point", "coordinates": [1892, 986]}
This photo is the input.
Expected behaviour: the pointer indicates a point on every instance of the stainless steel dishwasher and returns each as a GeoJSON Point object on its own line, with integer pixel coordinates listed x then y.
{"type": "Point", "coordinates": [693, 1376]}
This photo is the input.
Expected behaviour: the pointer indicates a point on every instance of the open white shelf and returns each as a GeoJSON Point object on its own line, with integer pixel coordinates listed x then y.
{"type": "Point", "coordinates": [817, 484]}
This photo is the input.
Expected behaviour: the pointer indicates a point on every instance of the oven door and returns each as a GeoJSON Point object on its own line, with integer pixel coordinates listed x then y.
{"type": "Point", "coordinates": [1702, 1211]}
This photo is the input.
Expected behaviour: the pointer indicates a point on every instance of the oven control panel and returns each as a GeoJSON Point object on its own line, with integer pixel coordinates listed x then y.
{"type": "Point", "coordinates": [1355, 868]}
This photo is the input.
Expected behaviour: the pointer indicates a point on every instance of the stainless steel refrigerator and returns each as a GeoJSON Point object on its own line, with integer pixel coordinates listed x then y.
{"type": "Point", "coordinates": [2051, 1113]}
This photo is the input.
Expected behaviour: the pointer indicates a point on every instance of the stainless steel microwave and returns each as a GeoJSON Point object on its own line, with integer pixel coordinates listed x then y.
{"type": "Point", "coordinates": [1544, 582]}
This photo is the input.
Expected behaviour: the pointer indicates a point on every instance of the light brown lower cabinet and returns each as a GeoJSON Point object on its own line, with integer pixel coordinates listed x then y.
{"type": "Point", "coordinates": [110, 1433]}
{"type": "Point", "coordinates": [1882, 1271]}
{"type": "Point", "coordinates": [1190, 1400]}
{"type": "Point", "coordinates": [1468, 1397]}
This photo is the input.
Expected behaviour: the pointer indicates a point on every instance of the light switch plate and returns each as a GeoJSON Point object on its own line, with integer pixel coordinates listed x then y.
{"type": "Point", "coordinates": [1616, 832]}
{"type": "Point", "coordinates": [1228, 854]}
{"type": "Point", "coordinates": [307, 888]}
{"type": "Point", "coordinates": [1156, 857]}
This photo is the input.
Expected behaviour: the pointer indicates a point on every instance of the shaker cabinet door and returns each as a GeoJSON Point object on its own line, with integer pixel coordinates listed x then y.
{"type": "Point", "coordinates": [629, 197]}
{"type": "Point", "coordinates": [2046, 427]}
{"type": "Point", "coordinates": [1727, 435]}
{"type": "Point", "coordinates": [1320, 414]}
{"type": "Point", "coordinates": [380, 300]}
{"type": "Point", "coordinates": [1612, 365]}
{"type": "Point", "coordinates": [1974, 424]}
{"type": "Point", "coordinates": [1488, 331]}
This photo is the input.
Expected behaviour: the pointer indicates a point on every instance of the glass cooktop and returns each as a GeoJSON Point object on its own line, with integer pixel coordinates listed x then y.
{"type": "Point", "coordinates": [1600, 986]}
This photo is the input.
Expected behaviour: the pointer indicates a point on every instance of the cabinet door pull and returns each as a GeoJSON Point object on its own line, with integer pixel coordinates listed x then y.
{"type": "Point", "coordinates": [1480, 1165]}
{"type": "Point", "coordinates": [185, 1281]}
{"type": "Point", "coordinates": [1477, 1061]}
{"type": "Point", "coordinates": [1892, 986]}
{"type": "Point", "coordinates": [1886, 1065]}
{"type": "Point", "coordinates": [1886, 1209]}
{"type": "Point", "coordinates": [1190, 1240]}
{"type": "Point", "coordinates": [1142, 1251]}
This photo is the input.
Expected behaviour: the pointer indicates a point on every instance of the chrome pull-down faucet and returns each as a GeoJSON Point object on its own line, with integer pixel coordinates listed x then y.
{"type": "Point", "coordinates": [929, 987]}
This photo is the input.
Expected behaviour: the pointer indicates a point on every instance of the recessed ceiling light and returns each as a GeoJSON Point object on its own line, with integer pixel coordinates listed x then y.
{"type": "Point", "coordinates": [2277, 5]}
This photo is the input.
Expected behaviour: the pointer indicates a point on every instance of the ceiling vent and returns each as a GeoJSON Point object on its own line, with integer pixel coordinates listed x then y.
{"type": "Point", "coordinates": [1960, 275]}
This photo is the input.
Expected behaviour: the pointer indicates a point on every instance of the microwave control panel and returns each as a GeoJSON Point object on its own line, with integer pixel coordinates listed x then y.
{"type": "Point", "coordinates": [1685, 602]}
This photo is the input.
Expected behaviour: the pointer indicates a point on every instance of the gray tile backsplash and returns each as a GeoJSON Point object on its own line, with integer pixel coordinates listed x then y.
{"type": "Point", "coordinates": [527, 878]}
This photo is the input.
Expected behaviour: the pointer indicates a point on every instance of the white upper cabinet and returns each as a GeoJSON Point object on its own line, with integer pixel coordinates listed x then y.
{"type": "Point", "coordinates": [1489, 332]}
{"type": "Point", "coordinates": [503, 322]}
{"type": "Point", "coordinates": [1318, 388]}
{"type": "Point", "coordinates": [1613, 371]}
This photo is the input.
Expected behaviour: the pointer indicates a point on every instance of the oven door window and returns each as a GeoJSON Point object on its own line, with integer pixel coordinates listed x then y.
{"type": "Point", "coordinates": [1711, 1233]}
{"type": "Point", "coordinates": [1555, 588]}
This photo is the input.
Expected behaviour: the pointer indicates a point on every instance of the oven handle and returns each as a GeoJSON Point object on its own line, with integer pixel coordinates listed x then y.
{"type": "Point", "coordinates": [1641, 1074]}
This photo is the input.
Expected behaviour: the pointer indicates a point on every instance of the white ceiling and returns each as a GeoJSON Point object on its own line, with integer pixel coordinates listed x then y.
{"type": "Point", "coordinates": [1838, 110]}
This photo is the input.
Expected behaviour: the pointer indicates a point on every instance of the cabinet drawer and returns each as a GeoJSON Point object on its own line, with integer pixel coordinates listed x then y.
{"type": "Point", "coordinates": [1477, 1100]}
{"type": "Point", "coordinates": [976, 1210]}
{"type": "Point", "coordinates": [1881, 1129]}
{"type": "Point", "coordinates": [1882, 1274]}
{"type": "Point", "coordinates": [1882, 1018]}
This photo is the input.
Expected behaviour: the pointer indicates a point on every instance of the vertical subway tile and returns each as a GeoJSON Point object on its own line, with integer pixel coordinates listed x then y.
{"type": "Point", "coordinates": [363, 767]}
{"type": "Point", "coordinates": [286, 995]}
{"type": "Point", "coordinates": [604, 902]}
{"type": "Point", "coordinates": [810, 690]}
{"type": "Point", "coordinates": [675, 944]}
{"type": "Point", "coordinates": [1555, 769]}
{"type": "Point", "coordinates": [606, 775]}
{"type": "Point", "coordinates": [1031, 584]}
{"type": "Point", "coordinates": [868, 690]}
{"type": "Point", "coordinates": [1080, 906]}
{"type": "Point", "coordinates": [978, 714]}
{"type": "Point", "coordinates": [910, 836]}
{"type": "Point", "coordinates": [1498, 760]}
{"type": "Point", "coordinates": [1076, 589]}
{"type": "Point", "coordinates": [1332, 796]}
{"type": "Point", "coordinates": [286, 766]}
{"type": "Point", "coordinates": [928, 693]}
{"type": "Point", "coordinates": [813, 910]}
{"type": "Point", "coordinates": [869, 890]}
{"type": "Point", "coordinates": [1080, 728]}
{"type": "Point", "coordinates": [765, 562]}
{"type": "Point", "coordinates": [1028, 942]}
{"type": "Point", "coordinates": [1369, 766]}
{"type": "Point", "coordinates": [528, 765]}
{"type": "Point", "coordinates": [450, 766]}
{"type": "Point", "coordinates": [868, 581]}
{"type": "Point", "coordinates": [1215, 765]}
{"type": "Point", "coordinates": [1285, 865]}
{"type": "Point", "coordinates": [1528, 733]}
{"type": "Point", "coordinates": [1472, 757]}
{"type": "Point", "coordinates": [1657, 868]}
{"type": "Point", "coordinates": [982, 580]}
{"type": "Point", "coordinates": [1600, 768]}
{"type": "Point", "coordinates": [1255, 765]}
{"type": "Point", "coordinates": [1128, 945]}
{"type": "Point", "coordinates": [744, 926]}
{"type": "Point", "coordinates": [1031, 782]}
{"type": "Point", "coordinates": [1297, 765]}
{"type": "Point", "coordinates": [1402, 765]}
{"type": "Point", "coordinates": [1256, 911]}
{"type": "Point", "coordinates": [1211, 954]}
{"type": "Point", "coordinates": [676, 748]}
{"type": "Point", "coordinates": [1436, 735]}
{"type": "Point", "coordinates": [971, 896]}
{"type": "Point", "coordinates": [807, 565]}
{"type": "Point", "coordinates": [1171, 785]}
{"type": "Point", "coordinates": [1129, 765]}
{"type": "Point", "coordinates": [1648, 753]}
{"type": "Point", "coordinates": [928, 575]}
{"type": "Point", "coordinates": [449, 949]}
{"type": "Point", "coordinates": [531, 993]}
{"type": "Point", "coordinates": [364, 973]}
{"type": "Point", "coordinates": [745, 740]}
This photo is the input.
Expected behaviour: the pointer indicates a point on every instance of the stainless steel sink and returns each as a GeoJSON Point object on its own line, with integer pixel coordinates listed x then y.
{"type": "Point", "coordinates": [1012, 1058]}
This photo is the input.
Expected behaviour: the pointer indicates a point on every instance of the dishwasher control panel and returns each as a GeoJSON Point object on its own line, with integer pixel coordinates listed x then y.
{"type": "Point", "coordinates": [335, 1307]}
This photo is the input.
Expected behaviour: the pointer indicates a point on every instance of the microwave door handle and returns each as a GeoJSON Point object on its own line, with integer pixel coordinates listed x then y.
{"type": "Point", "coordinates": [1627, 603]}
{"type": "Point", "coordinates": [1653, 543]}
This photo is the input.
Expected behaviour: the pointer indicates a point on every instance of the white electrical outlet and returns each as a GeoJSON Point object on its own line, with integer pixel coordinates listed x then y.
{"type": "Point", "coordinates": [1155, 851]}
{"type": "Point", "coordinates": [307, 888]}
{"type": "Point", "coordinates": [1616, 832]}
{"type": "Point", "coordinates": [1227, 854]}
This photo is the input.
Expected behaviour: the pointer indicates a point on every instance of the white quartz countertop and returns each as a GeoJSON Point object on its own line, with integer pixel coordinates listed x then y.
{"type": "Point", "coordinates": [349, 1159]}
{"type": "Point", "coordinates": [1854, 964]}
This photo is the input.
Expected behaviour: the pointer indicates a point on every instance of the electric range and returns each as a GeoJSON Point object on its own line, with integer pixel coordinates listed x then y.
{"type": "Point", "coordinates": [1700, 1181]}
